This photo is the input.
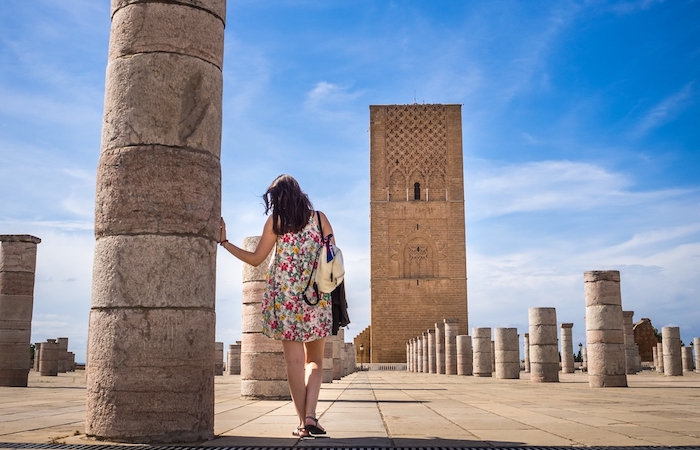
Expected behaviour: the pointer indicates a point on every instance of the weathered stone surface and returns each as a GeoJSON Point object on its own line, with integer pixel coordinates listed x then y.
{"type": "Point", "coordinates": [262, 389]}
{"type": "Point", "coordinates": [233, 359]}
{"type": "Point", "coordinates": [631, 350]}
{"type": "Point", "coordinates": [431, 351]}
{"type": "Point", "coordinates": [337, 353]}
{"type": "Point", "coordinates": [216, 7]}
{"type": "Point", "coordinates": [481, 344]}
{"type": "Point", "coordinates": [162, 99]}
{"type": "Point", "coordinates": [605, 336]}
{"type": "Point", "coordinates": [255, 273]}
{"type": "Point", "coordinates": [48, 359]}
{"type": "Point", "coordinates": [136, 397]}
{"type": "Point", "coordinates": [602, 287]}
{"type": "Point", "coordinates": [15, 331]}
{"type": "Point", "coordinates": [544, 352]}
{"type": "Point", "coordinates": [602, 381]}
{"type": "Point", "coordinates": [170, 28]}
{"type": "Point", "coordinates": [696, 349]}
{"type": "Point", "coordinates": [251, 318]}
{"type": "Point", "coordinates": [252, 292]}
{"type": "Point", "coordinates": [154, 271]}
{"type": "Point", "coordinates": [263, 366]}
{"type": "Point", "coordinates": [567, 348]}
{"type": "Point", "coordinates": [18, 253]}
{"type": "Point", "coordinates": [660, 360]}
{"type": "Point", "coordinates": [671, 341]}
{"type": "Point", "coordinates": [687, 358]}
{"type": "Point", "coordinates": [440, 347]}
{"type": "Point", "coordinates": [507, 354]}
{"type": "Point", "coordinates": [451, 332]}
{"type": "Point", "coordinates": [465, 355]}
{"type": "Point", "coordinates": [16, 307]}
{"type": "Point", "coordinates": [327, 371]}
{"type": "Point", "coordinates": [17, 283]}
{"type": "Point", "coordinates": [526, 351]}
{"type": "Point", "coordinates": [604, 326]}
{"type": "Point", "coordinates": [260, 343]}
{"type": "Point", "coordinates": [17, 264]}
{"type": "Point", "coordinates": [158, 190]}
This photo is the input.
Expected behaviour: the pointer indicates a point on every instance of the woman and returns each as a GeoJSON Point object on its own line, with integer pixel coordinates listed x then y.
{"type": "Point", "coordinates": [293, 230]}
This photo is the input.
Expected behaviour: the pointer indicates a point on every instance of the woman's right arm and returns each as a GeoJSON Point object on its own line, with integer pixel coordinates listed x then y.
{"type": "Point", "coordinates": [254, 258]}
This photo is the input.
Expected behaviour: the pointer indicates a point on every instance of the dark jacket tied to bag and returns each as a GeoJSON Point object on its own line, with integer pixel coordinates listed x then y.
{"type": "Point", "coordinates": [340, 308]}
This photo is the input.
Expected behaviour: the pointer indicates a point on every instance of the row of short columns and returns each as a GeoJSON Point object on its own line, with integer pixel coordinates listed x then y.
{"type": "Point", "coordinates": [609, 356]}
{"type": "Point", "coordinates": [52, 357]}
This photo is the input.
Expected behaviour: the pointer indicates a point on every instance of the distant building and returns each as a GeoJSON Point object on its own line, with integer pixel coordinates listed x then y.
{"type": "Point", "coordinates": [645, 338]}
{"type": "Point", "coordinates": [418, 244]}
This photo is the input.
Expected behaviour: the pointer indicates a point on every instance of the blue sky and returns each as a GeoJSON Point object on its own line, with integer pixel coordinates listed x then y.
{"type": "Point", "coordinates": [580, 131]}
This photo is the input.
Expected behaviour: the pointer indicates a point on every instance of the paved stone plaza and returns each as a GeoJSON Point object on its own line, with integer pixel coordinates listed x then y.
{"type": "Point", "coordinates": [399, 409]}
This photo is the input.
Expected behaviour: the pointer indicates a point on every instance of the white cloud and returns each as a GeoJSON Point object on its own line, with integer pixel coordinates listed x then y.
{"type": "Point", "coordinates": [495, 190]}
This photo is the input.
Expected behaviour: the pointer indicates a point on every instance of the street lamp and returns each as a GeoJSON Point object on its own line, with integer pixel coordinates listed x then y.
{"type": "Point", "coordinates": [362, 356]}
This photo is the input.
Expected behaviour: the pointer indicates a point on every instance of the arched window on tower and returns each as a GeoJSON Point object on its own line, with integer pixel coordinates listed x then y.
{"type": "Point", "coordinates": [416, 191]}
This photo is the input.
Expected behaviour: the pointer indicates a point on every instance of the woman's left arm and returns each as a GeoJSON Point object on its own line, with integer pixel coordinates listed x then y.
{"type": "Point", "coordinates": [327, 227]}
{"type": "Point", "coordinates": [254, 258]}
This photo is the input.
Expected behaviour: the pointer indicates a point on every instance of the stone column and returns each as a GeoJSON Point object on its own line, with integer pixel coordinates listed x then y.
{"type": "Point", "coordinates": [431, 351]}
{"type": "Point", "coordinates": [544, 352]}
{"type": "Point", "coordinates": [17, 266]}
{"type": "Point", "coordinates": [660, 354]}
{"type": "Point", "coordinates": [440, 347]}
{"type": "Point", "coordinates": [482, 361]}
{"type": "Point", "coordinates": [465, 355]}
{"type": "Point", "coordinates": [655, 357]}
{"type": "Point", "coordinates": [218, 358]}
{"type": "Point", "coordinates": [687, 358]}
{"type": "Point", "coordinates": [426, 362]}
{"type": "Point", "coordinates": [567, 348]}
{"type": "Point", "coordinates": [62, 355]}
{"type": "Point", "coordinates": [412, 355]}
{"type": "Point", "coordinates": [671, 341]}
{"type": "Point", "coordinates": [451, 331]}
{"type": "Point", "coordinates": [37, 351]}
{"type": "Point", "coordinates": [696, 349]}
{"type": "Point", "coordinates": [526, 351]}
{"type": "Point", "coordinates": [263, 371]}
{"type": "Point", "coordinates": [48, 364]}
{"type": "Point", "coordinates": [604, 331]}
{"type": "Point", "coordinates": [419, 350]}
{"type": "Point", "coordinates": [507, 353]}
{"type": "Point", "coordinates": [233, 359]}
{"type": "Point", "coordinates": [408, 356]}
{"type": "Point", "coordinates": [584, 357]}
{"type": "Point", "coordinates": [631, 351]}
{"type": "Point", "coordinates": [157, 219]}
{"type": "Point", "coordinates": [493, 357]}
{"type": "Point", "coordinates": [338, 341]}
{"type": "Point", "coordinates": [327, 373]}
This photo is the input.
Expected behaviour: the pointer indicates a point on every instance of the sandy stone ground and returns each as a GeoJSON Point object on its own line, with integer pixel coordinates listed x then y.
{"type": "Point", "coordinates": [399, 409]}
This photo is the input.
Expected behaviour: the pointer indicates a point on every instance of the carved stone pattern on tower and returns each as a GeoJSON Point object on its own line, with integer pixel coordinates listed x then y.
{"type": "Point", "coordinates": [416, 150]}
{"type": "Point", "coordinates": [418, 252]}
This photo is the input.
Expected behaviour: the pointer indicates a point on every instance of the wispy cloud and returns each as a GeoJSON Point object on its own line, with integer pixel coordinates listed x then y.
{"type": "Point", "coordinates": [331, 101]}
{"type": "Point", "coordinates": [665, 111]}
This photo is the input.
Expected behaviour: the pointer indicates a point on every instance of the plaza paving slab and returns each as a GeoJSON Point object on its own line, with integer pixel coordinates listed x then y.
{"type": "Point", "coordinates": [404, 410]}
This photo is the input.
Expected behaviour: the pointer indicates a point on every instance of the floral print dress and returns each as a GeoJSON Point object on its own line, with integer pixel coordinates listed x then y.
{"type": "Point", "coordinates": [285, 314]}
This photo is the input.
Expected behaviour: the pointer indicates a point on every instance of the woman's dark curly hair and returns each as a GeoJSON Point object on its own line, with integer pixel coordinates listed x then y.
{"type": "Point", "coordinates": [291, 207]}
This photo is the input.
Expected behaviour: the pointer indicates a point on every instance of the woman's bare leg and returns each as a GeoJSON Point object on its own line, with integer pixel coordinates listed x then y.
{"type": "Point", "coordinates": [294, 358]}
{"type": "Point", "coordinates": [313, 375]}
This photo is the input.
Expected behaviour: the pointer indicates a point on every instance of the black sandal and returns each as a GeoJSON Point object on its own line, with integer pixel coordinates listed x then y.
{"type": "Point", "coordinates": [314, 429]}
